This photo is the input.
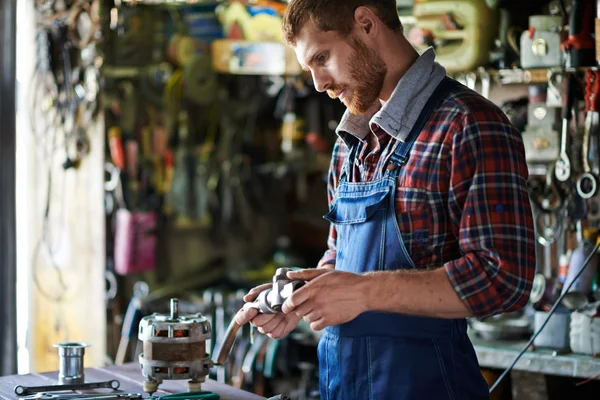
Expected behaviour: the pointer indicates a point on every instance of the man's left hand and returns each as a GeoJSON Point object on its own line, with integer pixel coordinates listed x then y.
{"type": "Point", "coordinates": [328, 298]}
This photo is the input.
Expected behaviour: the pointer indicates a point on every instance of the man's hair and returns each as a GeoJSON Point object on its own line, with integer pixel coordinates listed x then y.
{"type": "Point", "coordinates": [334, 15]}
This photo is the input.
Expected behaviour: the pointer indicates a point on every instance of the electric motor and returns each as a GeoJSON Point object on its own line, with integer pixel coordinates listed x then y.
{"type": "Point", "coordinates": [174, 348]}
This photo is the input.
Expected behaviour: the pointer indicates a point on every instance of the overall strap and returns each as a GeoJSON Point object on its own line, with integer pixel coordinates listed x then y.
{"type": "Point", "coordinates": [400, 156]}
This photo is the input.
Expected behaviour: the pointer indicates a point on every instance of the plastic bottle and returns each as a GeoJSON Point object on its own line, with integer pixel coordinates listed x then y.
{"type": "Point", "coordinates": [583, 284]}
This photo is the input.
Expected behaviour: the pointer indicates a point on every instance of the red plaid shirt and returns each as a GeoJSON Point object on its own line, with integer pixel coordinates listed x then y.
{"type": "Point", "coordinates": [461, 201]}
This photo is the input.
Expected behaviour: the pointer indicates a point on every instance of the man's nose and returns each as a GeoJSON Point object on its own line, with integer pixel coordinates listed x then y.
{"type": "Point", "coordinates": [322, 81]}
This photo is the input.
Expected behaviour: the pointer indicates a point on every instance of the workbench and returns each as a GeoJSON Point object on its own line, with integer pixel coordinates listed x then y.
{"type": "Point", "coordinates": [501, 354]}
{"type": "Point", "coordinates": [130, 377]}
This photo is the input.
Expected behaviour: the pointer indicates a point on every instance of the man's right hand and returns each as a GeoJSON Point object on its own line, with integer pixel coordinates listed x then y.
{"type": "Point", "coordinates": [274, 326]}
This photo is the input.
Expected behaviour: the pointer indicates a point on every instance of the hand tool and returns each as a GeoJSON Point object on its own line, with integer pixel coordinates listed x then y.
{"type": "Point", "coordinates": [250, 369]}
{"type": "Point", "coordinates": [187, 396]}
{"type": "Point", "coordinates": [130, 324]}
{"type": "Point", "coordinates": [268, 302]}
{"type": "Point", "coordinates": [174, 347]}
{"type": "Point", "coordinates": [587, 184]}
{"type": "Point", "coordinates": [563, 164]}
{"type": "Point", "coordinates": [87, 396]}
{"type": "Point", "coordinates": [25, 390]}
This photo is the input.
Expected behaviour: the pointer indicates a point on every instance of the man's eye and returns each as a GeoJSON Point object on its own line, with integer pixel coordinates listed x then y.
{"type": "Point", "coordinates": [322, 58]}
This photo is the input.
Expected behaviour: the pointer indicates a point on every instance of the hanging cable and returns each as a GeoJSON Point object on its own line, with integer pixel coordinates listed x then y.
{"type": "Point", "coordinates": [554, 307]}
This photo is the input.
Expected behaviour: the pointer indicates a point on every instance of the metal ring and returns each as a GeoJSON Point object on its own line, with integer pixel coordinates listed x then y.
{"type": "Point", "coordinates": [112, 184]}
{"type": "Point", "coordinates": [580, 189]}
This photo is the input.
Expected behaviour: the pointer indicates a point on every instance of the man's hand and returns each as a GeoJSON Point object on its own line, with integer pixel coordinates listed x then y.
{"type": "Point", "coordinates": [328, 298]}
{"type": "Point", "coordinates": [274, 326]}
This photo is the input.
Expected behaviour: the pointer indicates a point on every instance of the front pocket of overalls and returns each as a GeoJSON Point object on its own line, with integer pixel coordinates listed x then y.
{"type": "Point", "coordinates": [412, 369]}
{"type": "Point", "coordinates": [414, 219]}
{"type": "Point", "coordinates": [355, 210]}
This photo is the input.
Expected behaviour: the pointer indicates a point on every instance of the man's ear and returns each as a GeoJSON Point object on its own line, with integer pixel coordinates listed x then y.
{"type": "Point", "coordinates": [365, 21]}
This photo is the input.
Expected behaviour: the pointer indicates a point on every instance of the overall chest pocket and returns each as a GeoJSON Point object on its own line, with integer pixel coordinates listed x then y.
{"type": "Point", "coordinates": [356, 208]}
{"type": "Point", "coordinates": [414, 219]}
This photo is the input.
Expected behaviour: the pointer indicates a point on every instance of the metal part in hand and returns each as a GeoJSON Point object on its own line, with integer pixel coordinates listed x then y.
{"type": "Point", "coordinates": [267, 302]}
{"type": "Point", "coordinates": [271, 300]}
{"type": "Point", "coordinates": [26, 390]}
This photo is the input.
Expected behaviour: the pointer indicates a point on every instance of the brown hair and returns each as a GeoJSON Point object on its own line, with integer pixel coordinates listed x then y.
{"type": "Point", "coordinates": [334, 15]}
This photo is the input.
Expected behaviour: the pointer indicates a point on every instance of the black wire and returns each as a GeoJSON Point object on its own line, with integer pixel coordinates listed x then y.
{"type": "Point", "coordinates": [554, 307]}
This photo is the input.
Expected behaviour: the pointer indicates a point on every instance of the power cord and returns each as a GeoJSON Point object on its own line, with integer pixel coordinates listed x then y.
{"type": "Point", "coordinates": [554, 307]}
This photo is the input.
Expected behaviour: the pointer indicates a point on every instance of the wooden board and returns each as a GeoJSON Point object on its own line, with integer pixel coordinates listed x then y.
{"type": "Point", "coordinates": [128, 375]}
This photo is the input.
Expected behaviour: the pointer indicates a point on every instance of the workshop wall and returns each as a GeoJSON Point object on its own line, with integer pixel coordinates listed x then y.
{"type": "Point", "coordinates": [60, 170]}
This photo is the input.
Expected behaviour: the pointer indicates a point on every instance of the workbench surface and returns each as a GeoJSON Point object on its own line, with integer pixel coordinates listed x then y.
{"type": "Point", "coordinates": [500, 354]}
{"type": "Point", "coordinates": [131, 380]}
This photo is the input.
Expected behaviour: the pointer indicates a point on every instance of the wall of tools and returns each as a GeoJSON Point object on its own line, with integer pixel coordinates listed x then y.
{"type": "Point", "coordinates": [217, 149]}
{"type": "Point", "coordinates": [547, 49]}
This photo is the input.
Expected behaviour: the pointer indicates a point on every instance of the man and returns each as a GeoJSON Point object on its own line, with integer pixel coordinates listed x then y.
{"type": "Point", "coordinates": [429, 211]}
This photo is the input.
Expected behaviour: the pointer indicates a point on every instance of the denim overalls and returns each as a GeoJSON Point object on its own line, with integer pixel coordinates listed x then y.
{"type": "Point", "coordinates": [387, 356]}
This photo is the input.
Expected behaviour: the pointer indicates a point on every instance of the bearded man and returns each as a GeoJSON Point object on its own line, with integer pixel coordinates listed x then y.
{"type": "Point", "coordinates": [429, 211]}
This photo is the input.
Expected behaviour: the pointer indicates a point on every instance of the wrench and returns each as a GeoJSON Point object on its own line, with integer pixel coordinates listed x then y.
{"type": "Point", "coordinates": [563, 164]}
{"type": "Point", "coordinates": [25, 390]}
{"type": "Point", "coordinates": [587, 184]}
{"type": "Point", "coordinates": [74, 396]}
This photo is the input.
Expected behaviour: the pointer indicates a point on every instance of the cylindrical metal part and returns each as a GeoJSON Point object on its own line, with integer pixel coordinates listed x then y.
{"type": "Point", "coordinates": [227, 343]}
{"type": "Point", "coordinates": [174, 309]}
{"type": "Point", "coordinates": [71, 362]}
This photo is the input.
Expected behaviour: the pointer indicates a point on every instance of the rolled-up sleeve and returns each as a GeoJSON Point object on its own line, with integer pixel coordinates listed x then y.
{"type": "Point", "coordinates": [490, 211]}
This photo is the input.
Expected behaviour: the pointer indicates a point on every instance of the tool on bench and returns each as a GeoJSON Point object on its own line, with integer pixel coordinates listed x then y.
{"type": "Point", "coordinates": [27, 390]}
{"type": "Point", "coordinates": [174, 347]}
{"type": "Point", "coordinates": [587, 184]}
{"type": "Point", "coordinates": [71, 362]}
{"type": "Point", "coordinates": [268, 302]}
{"type": "Point", "coordinates": [90, 396]}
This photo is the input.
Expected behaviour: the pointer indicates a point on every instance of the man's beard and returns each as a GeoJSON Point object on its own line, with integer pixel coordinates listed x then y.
{"type": "Point", "coordinates": [367, 70]}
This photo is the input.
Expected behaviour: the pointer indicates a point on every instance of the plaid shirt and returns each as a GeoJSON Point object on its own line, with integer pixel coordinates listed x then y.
{"type": "Point", "coordinates": [461, 200]}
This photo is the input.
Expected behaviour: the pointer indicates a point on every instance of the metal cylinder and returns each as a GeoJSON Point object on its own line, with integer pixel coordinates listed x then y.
{"type": "Point", "coordinates": [174, 309]}
{"type": "Point", "coordinates": [71, 362]}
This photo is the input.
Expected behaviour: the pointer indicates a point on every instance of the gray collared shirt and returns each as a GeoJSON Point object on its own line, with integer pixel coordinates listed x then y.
{"type": "Point", "coordinates": [398, 115]}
